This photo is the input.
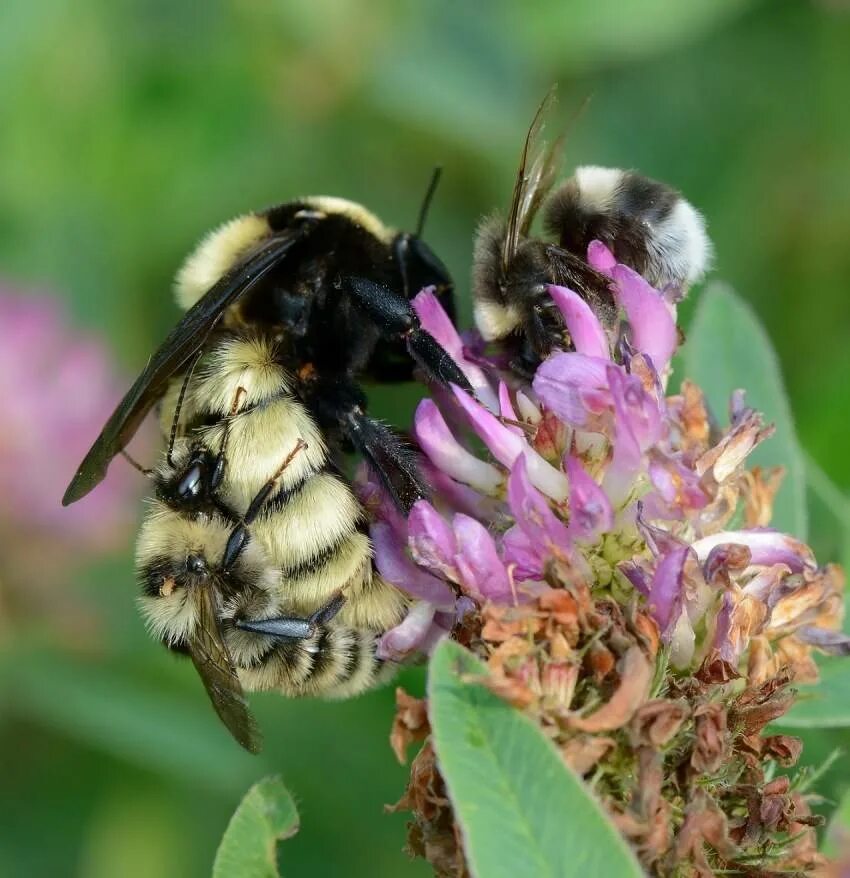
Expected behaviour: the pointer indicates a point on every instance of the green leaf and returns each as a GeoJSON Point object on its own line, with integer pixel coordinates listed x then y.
{"type": "Point", "coordinates": [171, 732]}
{"type": "Point", "coordinates": [521, 809]}
{"type": "Point", "coordinates": [727, 348]}
{"type": "Point", "coordinates": [826, 704]}
{"type": "Point", "coordinates": [265, 816]}
{"type": "Point", "coordinates": [829, 515]}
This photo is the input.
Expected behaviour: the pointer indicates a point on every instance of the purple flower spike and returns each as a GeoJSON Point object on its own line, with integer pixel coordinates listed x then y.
{"type": "Point", "coordinates": [411, 634]}
{"type": "Point", "coordinates": [767, 547]}
{"type": "Point", "coordinates": [585, 329]}
{"type": "Point", "coordinates": [434, 320]}
{"type": "Point", "coordinates": [448, 454]}
{"type": "Point", "coordinates": [665, 598]}
{"type": "Point", "coordinates": [533, 514]}
{"type": "Point", "coordinates": [394, 565]}
{"type": "Point", "coordinates": [574, 387]}
{"type": "Point", "coordinates": [483, 575]}
{"type": "Point", "coordinates": [653, 326]}
{"type": "Point", "coordinates": [600, 257]}
{"type": "Point", "coordinates": [431, 540]}
{"type": "Point", "coordinates": [591, 514]}
{"type": "Point", "coordinates": [506, 447]}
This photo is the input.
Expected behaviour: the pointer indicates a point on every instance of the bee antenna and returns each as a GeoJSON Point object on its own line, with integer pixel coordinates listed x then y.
{"type": "Point", "coordinates": [426, 202]}
{"type": "Point", "coordinates": [172, 436]}
{"type": "Point", "coordinates": [136, 465]}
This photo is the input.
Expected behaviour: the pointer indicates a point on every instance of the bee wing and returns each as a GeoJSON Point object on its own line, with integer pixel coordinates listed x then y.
{"type": "Point", "coordinates": [215, 666]}
{"type": "Point", "coordinates": [187, 337]}
{"type": "Point", "coordinates": [537, 167]}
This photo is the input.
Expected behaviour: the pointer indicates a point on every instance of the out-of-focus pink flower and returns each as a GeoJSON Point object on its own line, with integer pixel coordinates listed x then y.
{"type": "Point", "coordinates": [59, 386]}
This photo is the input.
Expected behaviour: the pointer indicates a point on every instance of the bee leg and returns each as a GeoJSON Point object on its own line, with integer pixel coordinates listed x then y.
{"type": "Point", "coordinates": [393, 461]}
{"type": "Point", "coordinates": [395, 318]}
{"type": "Point", "coordinates": [294, 627]}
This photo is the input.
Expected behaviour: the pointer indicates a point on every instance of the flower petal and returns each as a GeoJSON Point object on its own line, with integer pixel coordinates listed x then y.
{"type": "Point", "coordinates": [666, 596]}
{"type": "Point", "coordinates": [506, 447]}
{"type": "Point", "coordinates": [409, 635]}
{"type": "Point", "coordinates": [483, 575]}
{"type": "Point", "coordinates": [434, 320]}
{"type": "Point", "coordinates": [533, 514]}
{"type": "Point", "coordinates": [585, 329]}
{"type": "Point", "coordinates": [600, 257]}
{"type": "Point", "coordinates": [431, 540]}
{"type": "Point", "coordinates": [591, 514]}
{"type": "Point", "coordinates": [435, 438]}
{"type": "Point", "coordinates": [574, 386]}
{"type": "Point", "coordinates": [506, 409]}
{"type": "Point", "coordinates": [652, 324]}
{"type": "Point", "coordinates": [833, 642]}
{"type": "Point", "coordinates": [766, 547]}
{"type": "Point", "coordinates": [522, 554]}
{"type": "Point", "coordinates": [394, 565]}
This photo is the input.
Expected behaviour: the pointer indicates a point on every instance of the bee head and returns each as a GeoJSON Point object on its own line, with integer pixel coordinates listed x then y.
{"type": "Point", "coordinates": [178, 556]}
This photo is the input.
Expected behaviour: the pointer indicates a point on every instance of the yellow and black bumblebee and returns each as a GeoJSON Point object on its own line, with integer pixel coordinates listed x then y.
{"type": "Point", "coordinates": [647, 224]}
{"type": "Point", "coordinates": [254, 557]}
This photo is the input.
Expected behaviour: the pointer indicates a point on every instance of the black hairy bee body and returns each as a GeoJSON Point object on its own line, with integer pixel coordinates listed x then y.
{"type": "Point", "coordinates": [648, 226]}
{"type": "Point", "coordinates": [254, 557]}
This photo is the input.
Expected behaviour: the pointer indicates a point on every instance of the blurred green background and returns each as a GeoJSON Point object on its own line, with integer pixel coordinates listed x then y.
{"type": "Point", "coordinates": [127, 129]}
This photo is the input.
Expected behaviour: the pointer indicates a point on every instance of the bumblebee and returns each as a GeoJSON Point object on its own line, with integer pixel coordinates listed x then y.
{"type": "Point", "coordinates": [648, 226]}
{"type": "Point", "coordinates": [253, 557]}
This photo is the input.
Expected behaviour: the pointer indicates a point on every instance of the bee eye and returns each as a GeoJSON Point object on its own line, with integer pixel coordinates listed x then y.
{"type": "Point", "coordinates": [190, 484]}
{"type": "Point", "coordinates": [197, 565]}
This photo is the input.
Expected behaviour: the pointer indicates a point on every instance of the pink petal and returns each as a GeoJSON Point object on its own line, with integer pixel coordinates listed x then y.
{"type": "Point", "coordinates": [459, 497]}
{"type": "Point", "coordinates": [409, 635]}
{"type": "Point", "coordinates": [767, 547]}
{"type": "Point", "coordinates": [434, 319]}
{"type": "Point", "coordinates": [600, 257]}
{"type": "Point", "coordinates": [585, 329]}
{"type": "Point", "coordinates": [506, 409]}
{"type": "Point", "coordinates": [677, 484]}
{"type": "Point", "coordinates": [574, 386]}
{"type": "Point", "coordinates": [506, 447]}
{"type": "Point", "coordinates": [394, 565]}
{"type": "Point", "coordinates": [653, 326]}
{"type": "Point", "coordinates": [437, 441]}
{"type": "Point", "coordinates": [522, 553]}
{"type": "Point", "coordinates": [533, 514]}
{"type": "Point", "coordinates": [666, 597]}
{"type": "Point", "coordinates": [591, 514]}
{"type": "Point", "coordinates": [431, 541]}
{"type": "Point", "coordinates": [483, 575]}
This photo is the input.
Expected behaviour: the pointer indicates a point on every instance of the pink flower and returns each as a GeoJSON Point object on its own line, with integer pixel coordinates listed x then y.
{"type": "Point", "coordinates": [594, 469]}
{"type": "Point", "coordinates": [59, 386]}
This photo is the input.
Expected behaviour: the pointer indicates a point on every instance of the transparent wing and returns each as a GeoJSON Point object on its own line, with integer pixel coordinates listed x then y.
{"type": "Point", "coordinates": [538, 165]}
{"type": "Point", "coordinates": [187, 337]}
{"type": "Point", "coordinates": [215, 666]}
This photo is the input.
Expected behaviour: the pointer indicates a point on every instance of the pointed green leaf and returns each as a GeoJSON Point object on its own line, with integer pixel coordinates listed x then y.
{"type": "Point", "coordinates": [521, 809]}
{"type": "Point", "coordinates": [727, 349]}
{"type": "Point", "coordinates": [248, 849]}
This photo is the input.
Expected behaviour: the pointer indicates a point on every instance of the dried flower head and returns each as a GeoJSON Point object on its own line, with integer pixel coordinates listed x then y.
{"type": "Point", "coordinates": [609, 558]}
